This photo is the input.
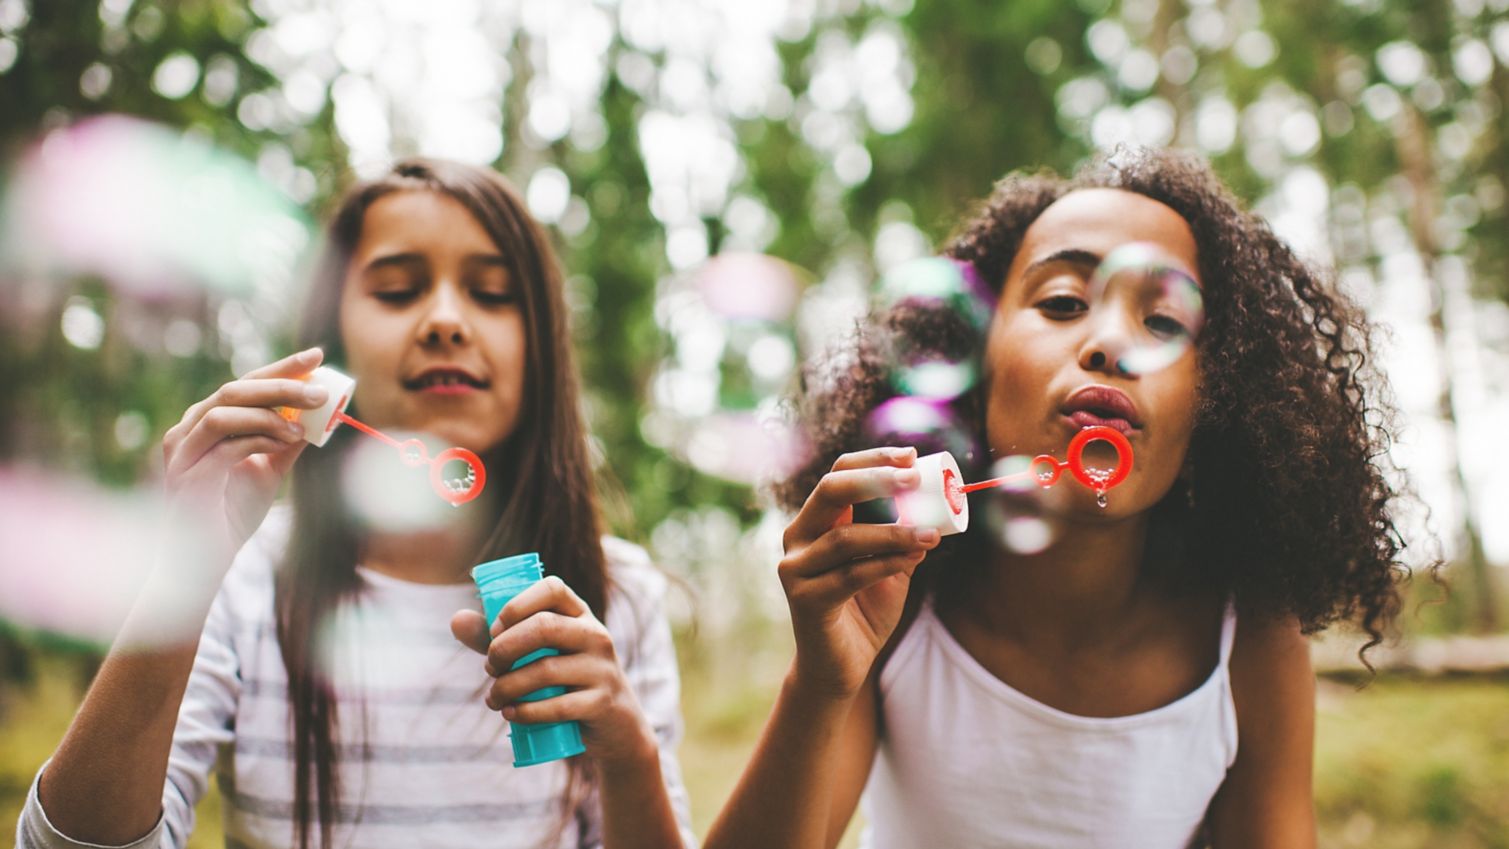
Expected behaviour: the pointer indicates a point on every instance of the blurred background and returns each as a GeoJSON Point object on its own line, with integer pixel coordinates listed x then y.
{"type": "Point", "coordinates": [726, 182]}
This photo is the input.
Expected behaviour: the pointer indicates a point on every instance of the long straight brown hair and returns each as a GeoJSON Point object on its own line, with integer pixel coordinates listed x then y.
{"type": "Point", "coordinates": [541, 488]}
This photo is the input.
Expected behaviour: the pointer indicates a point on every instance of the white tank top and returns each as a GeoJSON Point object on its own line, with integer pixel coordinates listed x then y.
{"type": "Point", "coordinates": [967, 761]}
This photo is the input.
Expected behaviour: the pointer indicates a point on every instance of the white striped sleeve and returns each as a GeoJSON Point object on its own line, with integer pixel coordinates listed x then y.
{"type": "Point", "coordinates": [205, 719]}
{"type": "Point", "coordinates": [642, 634]}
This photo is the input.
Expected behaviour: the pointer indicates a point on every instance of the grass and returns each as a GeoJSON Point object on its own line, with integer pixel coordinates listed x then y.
{"type": "Point", "coordinates": [1400, 763]}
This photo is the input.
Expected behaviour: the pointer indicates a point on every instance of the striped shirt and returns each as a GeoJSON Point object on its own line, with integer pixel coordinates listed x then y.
{"type": "Point", "coordinates": [423, 762]}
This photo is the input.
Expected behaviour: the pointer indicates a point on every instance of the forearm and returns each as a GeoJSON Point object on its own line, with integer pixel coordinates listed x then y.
{"type": "Point", "coordinates": [105, 782]}
{"type": "Point", "coordinates": [636, 809]}
{"type": "Point", "coordinates": [785, 795]}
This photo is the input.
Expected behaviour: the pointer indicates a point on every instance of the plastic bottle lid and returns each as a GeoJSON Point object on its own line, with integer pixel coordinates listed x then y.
{"type": "Point", "coordinates": [537, 744]}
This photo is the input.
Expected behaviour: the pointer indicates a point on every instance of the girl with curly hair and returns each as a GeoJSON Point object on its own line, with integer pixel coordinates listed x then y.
{"type": "Point", "coordinates": [1145, 681]}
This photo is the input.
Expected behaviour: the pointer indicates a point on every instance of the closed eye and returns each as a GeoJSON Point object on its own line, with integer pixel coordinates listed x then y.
{"type": "Point", "coordinates": [396, 296]}
{"type": "Point", "coordinates": [494, 299]}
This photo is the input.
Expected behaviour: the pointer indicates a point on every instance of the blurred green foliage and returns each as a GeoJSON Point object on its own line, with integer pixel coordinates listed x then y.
{"type": "Point", "coordinates": [1397, 105]}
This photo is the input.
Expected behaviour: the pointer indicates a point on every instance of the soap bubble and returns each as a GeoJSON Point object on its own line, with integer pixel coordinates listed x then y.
{"type": "Point", "coordinates": [1019, 512]}
{"type": "Point", "coordinates": [1144, 282]}
{"type": "Point", "coordinates": [155, 212]}
{"type": "Point", "coordinates": [81, 586]}
{"type": "Point", "coordinates": [735, 357]}
{"type": "Point", "coordinates": [384, 492]}
{"type": "Point", "coordinates": [742, 285]}
{"type": "Point", "coordinates": [928, 425]}
{"type": "Point", "coordinates": [934, 357]}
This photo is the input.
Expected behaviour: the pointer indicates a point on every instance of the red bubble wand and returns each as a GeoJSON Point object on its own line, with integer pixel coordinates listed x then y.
{"type": "Point", "coordinates": [1046, 469]}
{"type": "Point", "coordinates": [457, 491]}
{"type": "Point", "coordinates": [320, 422]}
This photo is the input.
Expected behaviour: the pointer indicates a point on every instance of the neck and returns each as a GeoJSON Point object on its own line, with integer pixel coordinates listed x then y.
{"type": "Point", "coordinates": [443, 555]}
{"type": "Point", "coordinates": [1078, 593]}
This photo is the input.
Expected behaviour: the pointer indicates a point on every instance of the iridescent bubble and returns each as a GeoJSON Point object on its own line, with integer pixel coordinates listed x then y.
{"type": "Point", "coordinates": [1019, 512]}
{"type": "Point", "coordinates": [1157, 300]}
{"type": "Point", "coordinates": [926, 424]}
{"type": "Point", "coordinates": [744, 285]}
{"type": "Point", "coordinates": [383, 491]}
{"type": "Point", "coordinates": [151, 210]}
{"type": "Point", "coordinates": [749, 446]}
{"type": "Point", "coordinates": [938, 313]}
{"type": "Point", "coordinates": [82, 586]}
{"type": "Point", "coordinates": [735, 356]}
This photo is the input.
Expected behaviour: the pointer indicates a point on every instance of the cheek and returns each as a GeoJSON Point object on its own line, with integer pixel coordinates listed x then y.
{"type": "Point", "coordinates": [509, 350]}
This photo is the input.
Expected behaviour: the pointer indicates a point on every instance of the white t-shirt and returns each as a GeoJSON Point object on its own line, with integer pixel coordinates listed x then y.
{"type": "Point", "coordinates": [423, 762]}
{"type": "Point", "coordinates": [967, 761]}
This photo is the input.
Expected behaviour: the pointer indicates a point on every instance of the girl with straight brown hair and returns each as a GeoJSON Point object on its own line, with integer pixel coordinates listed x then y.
{"type": "Point", "coordinates": [334, 690]}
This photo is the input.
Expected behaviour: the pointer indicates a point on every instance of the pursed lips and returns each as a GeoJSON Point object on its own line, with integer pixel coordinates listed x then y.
{"type": "Point", "coordinates": [1102, 406]}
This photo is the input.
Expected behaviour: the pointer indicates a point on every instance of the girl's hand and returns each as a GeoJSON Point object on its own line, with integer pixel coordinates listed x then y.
{"type": "Point", "coordinates": [223, 462]}
{"type": "Point", "coordinates": [550, 615]}
{"type": "Point", "coordinates": [846, 583]}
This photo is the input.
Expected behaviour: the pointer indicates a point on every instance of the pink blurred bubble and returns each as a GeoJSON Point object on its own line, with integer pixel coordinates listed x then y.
{"type": "Point", "coordinates": [155, 212]}
{"type": "Point", "coordinates": [78, 557]}
{"type": "Point", "coordinates": [743, 285]}
{"type": "Point", "coordinates": [745, 447]}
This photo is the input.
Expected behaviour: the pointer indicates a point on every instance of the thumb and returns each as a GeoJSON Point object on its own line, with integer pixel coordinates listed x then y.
{"type": "Point", "coordinates": [470, 629]}
{"type": "Point", "coordinates": [282, 460]}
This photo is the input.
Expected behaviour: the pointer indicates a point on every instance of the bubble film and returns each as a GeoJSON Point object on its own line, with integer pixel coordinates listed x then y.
{"type": "Point", "coordinates": [132, 553]}
{"type": "Point", "coordinates": [933, 354]}
{"type": "Point", "coordinates": [1020, 511]}
{"type": "Point", "coordinates": [1156, 302]}
{"type": "Point", "coordinates": [925, 424]}
{"type": "Point", "coordinates": [383, 492]}
{"type": "Point", "coordinates": [735, 358]}
{"type": "Point", "coordinates": [153, 211]}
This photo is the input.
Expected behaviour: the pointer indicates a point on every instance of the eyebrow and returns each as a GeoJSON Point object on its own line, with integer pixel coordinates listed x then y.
{"type": "Point", "coordinates": [1071, 256]}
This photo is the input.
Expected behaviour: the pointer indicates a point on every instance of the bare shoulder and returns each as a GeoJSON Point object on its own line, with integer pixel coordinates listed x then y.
{"type": "Point", "coordinates": [1267, 798]}
{"type": "Point", "coordinates": [1272, 684]}
{"type": "Point", "coordinates": [1268, 652]}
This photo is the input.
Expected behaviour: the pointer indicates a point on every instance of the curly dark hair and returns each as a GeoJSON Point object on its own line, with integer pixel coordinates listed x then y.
{"type": "Point", "coordinates": [1290, 508]}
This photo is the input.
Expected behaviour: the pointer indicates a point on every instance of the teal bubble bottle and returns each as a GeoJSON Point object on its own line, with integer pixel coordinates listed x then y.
{"type": "Point", "coordinates": [498, 581]}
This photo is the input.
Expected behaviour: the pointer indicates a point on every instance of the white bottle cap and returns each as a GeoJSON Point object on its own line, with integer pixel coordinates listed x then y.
{"type": "Point", "coordinates": [320, 422]}
{"type": "Point", "coordinates": [939, 502]}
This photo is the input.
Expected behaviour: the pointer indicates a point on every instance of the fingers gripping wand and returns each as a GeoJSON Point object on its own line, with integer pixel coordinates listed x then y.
{"type": "Point", "coordinates": [941, 502]}
{"type": "Point", "coordinates": [322, 421]}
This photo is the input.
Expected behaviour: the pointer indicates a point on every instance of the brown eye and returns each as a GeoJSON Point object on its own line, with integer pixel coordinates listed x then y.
{"type": "Point", "coordinates": [1062, 306]}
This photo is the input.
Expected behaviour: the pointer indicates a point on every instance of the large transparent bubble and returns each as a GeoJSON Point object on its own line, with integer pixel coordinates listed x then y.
{"type": "Point", "coordinates": [1155, 299]}
{"type": "Point", "coordinates": [385, 492]}
{"type": "Point", "coordinates": [925, 424]}
{"type": "Point", "coordinates": [153, 211]}
{"type": "Point", "coordinates": [935, 354]}
{"type": "Point", "coordinates": [735, 357]}
{"type": "Point", "coordinates": [1020, 514]}
{"type": "Point", "coordinates": [80, 558]}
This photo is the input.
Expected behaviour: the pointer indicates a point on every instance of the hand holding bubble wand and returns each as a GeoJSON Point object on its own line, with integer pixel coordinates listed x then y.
{"type": "Point", "coordinates": [322, 421]}
{"type": "Point", "coordinates": [940, 501]}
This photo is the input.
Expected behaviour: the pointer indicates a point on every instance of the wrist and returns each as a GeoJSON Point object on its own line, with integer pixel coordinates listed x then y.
{"type": "Point", "coordinates": [816, 691]}
{"type": "Point", "coordinates": [640, 755]}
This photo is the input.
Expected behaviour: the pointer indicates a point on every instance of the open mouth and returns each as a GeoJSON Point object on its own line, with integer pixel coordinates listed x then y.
{"type": "Point", "coordinates": [444, 382]}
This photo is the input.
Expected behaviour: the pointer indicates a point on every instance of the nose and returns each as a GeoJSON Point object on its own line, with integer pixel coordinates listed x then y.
{"type": "Point", "coordinates": [1106, 344]}
{"type": "Point", "coordinates": [444, 321]}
